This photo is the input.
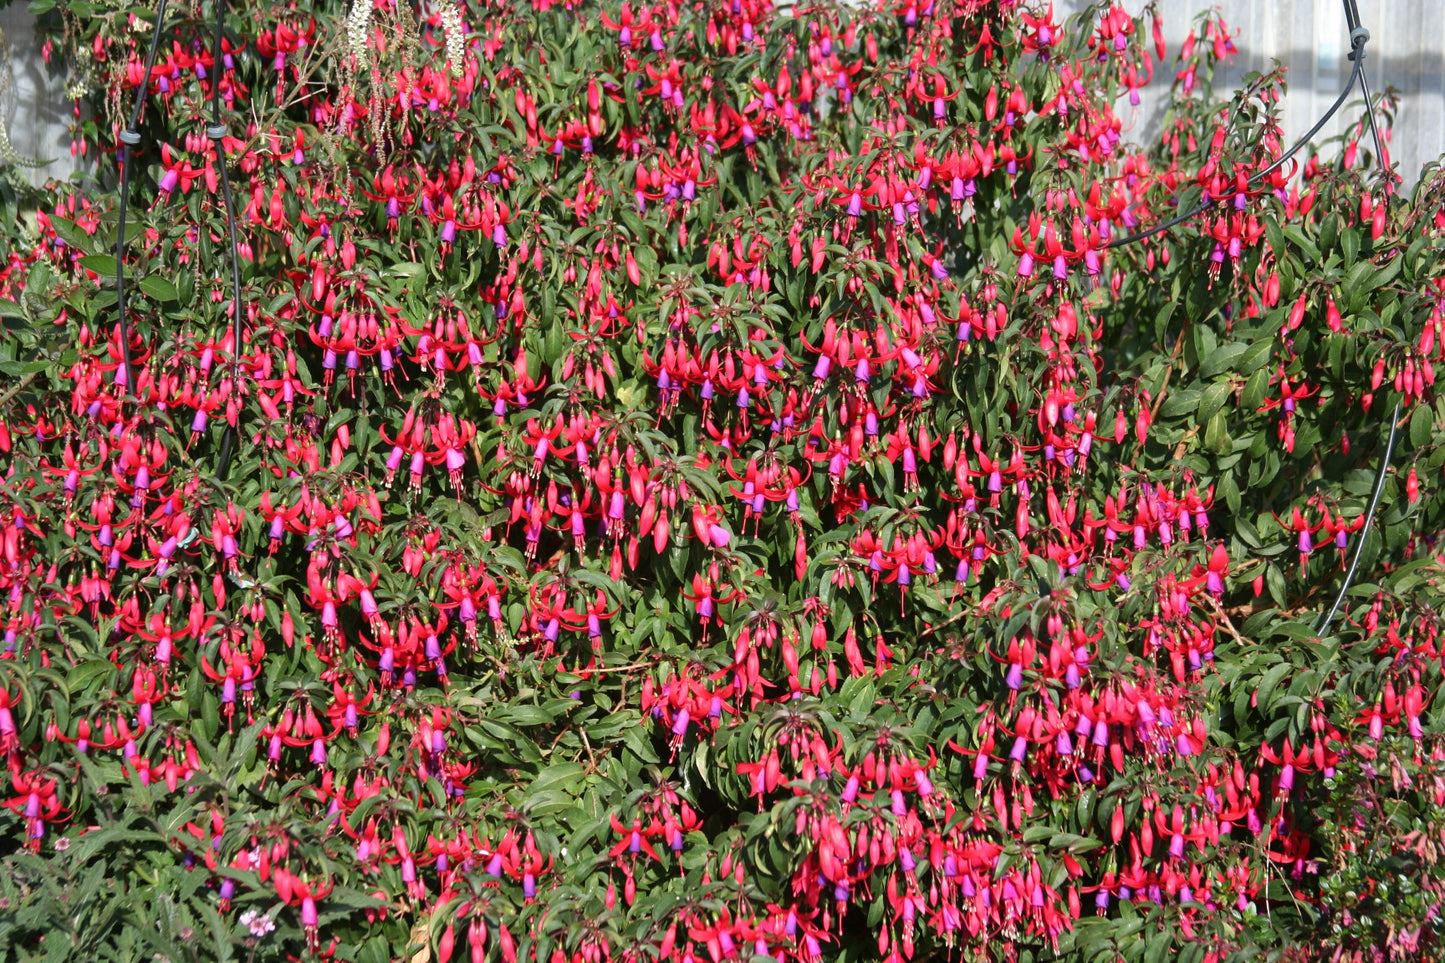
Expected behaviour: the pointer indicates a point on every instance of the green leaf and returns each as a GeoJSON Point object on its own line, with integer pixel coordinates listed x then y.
{"type": "Point", "coordinates": [1252, 397]}
{"type": "Point", "coordinates": [86, 674]}
{"type": "Point", "coordinates": [1422, 425]}
{"type": "Point", "coordinates": [1274, 582]}
{"type": "Point", "coordinates": [1216, 434]}
{"type": "Point", "coordinates": [1228, 489]}
{"type": "Point", "coordinates": [1220, 360]}
{"type": "Point", "coordinates": [1270, 681]}
{"type": "Point", "coordinates": [1158, 948]}
{"type": "Point", "coordinates": [1256, 356]}
{"type": "Point", "coordinates": [158, 288]}
{"type": "Point", "coordinates": [102, 264]}
{"type": "Point", "coordinates": [566, 776]}
{"type": "Point", "coordinates": [1350, 244]}
{"type": "Point", "coordinates": [1184, 401]}
{"type": "Point", "coordinates": [1212, 399]}
{"type": "Point", "coordinates": [72, 234]}
{"type": "Point", "coordinates": [17, 369]}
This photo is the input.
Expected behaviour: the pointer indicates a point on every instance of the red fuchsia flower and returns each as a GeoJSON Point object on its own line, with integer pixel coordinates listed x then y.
{"type": "Point", "coordinates": [86, 738]}
{"type": "Point", "coordinates": [526, 863]}
{"type": "Point", "coordinates": [137, 467]}
{"type": "Point", "coordinates": [353, 328]}
{"type": "Point", "coordinates": [36, 802]}
{"type": "Point", "coordinates": [295, 890]}
{"type": "Point", "coordinates": [225, 526]}
{"type": "Point", "coordinates": [706, 597]}
{"type": "Point", "coordinates": [1287, 403]}
{"type": "Point", "coordinates": [408, 862]}
{"type": "Point", "coordinates": [371, 843]}
{"type": "Point", "coordinates": [687, 702]}
{"type": "Point", "coordinates": [449, 440]}
{"type": "Point", "coordinates": [1113, 33]}
{"type": "Point", "coordinates": [269, 213]}
{"type": "Point", "coordinates": [73, 470]}
{"type": "Point", "coordinates": [764, 776]}
{"type": "Point", "coordinates": [279, 42]}
{"type": "Point", "coordinates": [1290, 762]}
{"type": "Point", "coordinates": [1304, 532]}
{"type": "Point", "coordinates": [1341, 528]}
{"type": "Point", "coordinates": [179, 172]}
{"type": "Point", "coordinates": [441, 88]}
{"type": "Point", "coordinates": [409, 440]}
{"type": "Point", "coordinates": [635, 28]}
{"type": "Point", "coordinates": [240, 668]}
{"type": "Point", "coordinates": [302, 730]}
{"type": "Point", "coordinates": [635, 838]}
{"type": "Point", "coordinates": [1288, 844]}
{"type": "Point", "coordinates": [725, 938]}
{"type": "Point", "coordinates": [158, 631]}
{"type": "Point", "coordinates": [772, 482]}
{"type": "Point", "coordinates": [347, 709]}
{"type": "Point", "coordinates": [449, 221]}
{"type": "Point", "coordinates": [592, 615]}
{"type": "Point", "coordinates": [470, 590]}
{"type": "Point", "coordinates": [517, 389]}
{"type": "Point", "coordinates": [417, 646]}
{"type": "Point", "coordinates": [1390, 707]}
{"type": "Point", "coordinates": [281, 520]}
{"type": "Point", "coordinates": [394, 189]}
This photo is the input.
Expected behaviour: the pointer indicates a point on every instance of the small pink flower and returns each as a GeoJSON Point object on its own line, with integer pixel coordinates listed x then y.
{"type": "Point", "coordinates": [258, 923]}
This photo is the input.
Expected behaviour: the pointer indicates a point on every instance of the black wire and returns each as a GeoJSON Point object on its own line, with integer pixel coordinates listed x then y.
{"type": "Point", "coordinates": [1358, 37]}
{"type": "Point", "coordinates": [128, 139]}
{"type": "Point", "coordinates": [1357, 73]}
{"type": "Point", "coordinates": [1352, 15]}
{"type": "Point", "coordinates": [1369, 520]}
{"type": "Point", "coordinates": [1357, 53]}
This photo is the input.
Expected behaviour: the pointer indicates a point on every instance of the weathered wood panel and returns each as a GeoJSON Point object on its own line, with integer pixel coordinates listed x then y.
{"type": "Point", "coordinates": [34, 110]}
{"type": "Point", "coordinates": [1406, 51]}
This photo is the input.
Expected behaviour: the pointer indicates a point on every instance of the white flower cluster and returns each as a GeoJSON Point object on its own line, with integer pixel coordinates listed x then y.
{"type": "Point", "coordinates": [358, 24]}
{"type": "Point", "coordinates": [451, 17]}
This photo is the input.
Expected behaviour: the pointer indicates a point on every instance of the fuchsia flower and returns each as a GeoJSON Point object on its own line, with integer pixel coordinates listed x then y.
{"type": "Point", "coordinates": [295, 890]}
{"type": "Point", "coordinates": [36, 802]}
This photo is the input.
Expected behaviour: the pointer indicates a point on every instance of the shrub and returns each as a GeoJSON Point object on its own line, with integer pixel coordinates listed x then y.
{"type": "Point", "coordinates": [691, 481]}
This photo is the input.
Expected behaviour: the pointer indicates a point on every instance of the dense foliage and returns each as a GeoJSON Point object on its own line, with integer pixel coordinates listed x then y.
{"type": "Point", "coordinates": [695, 482]}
